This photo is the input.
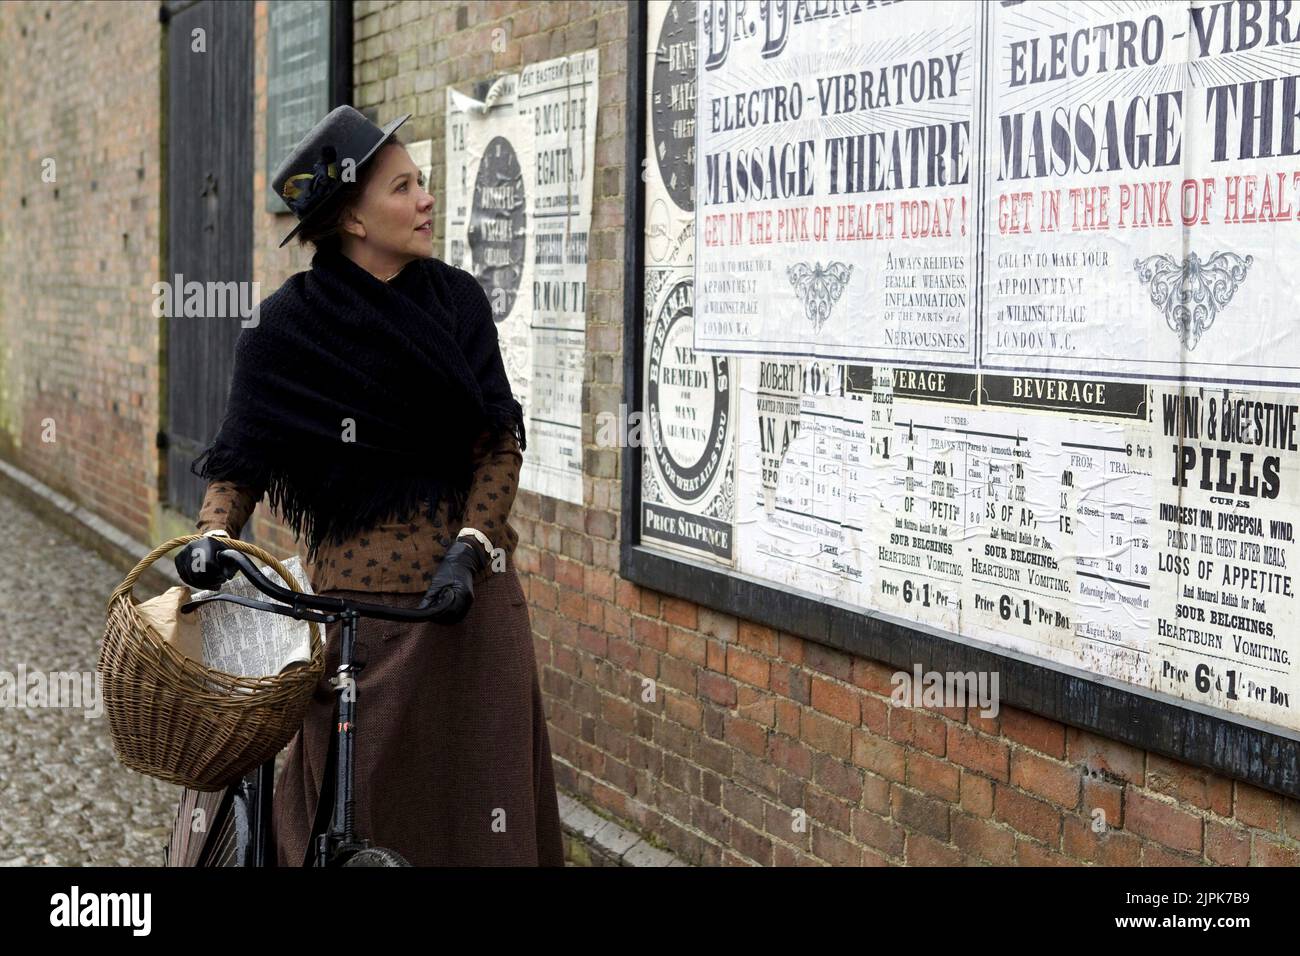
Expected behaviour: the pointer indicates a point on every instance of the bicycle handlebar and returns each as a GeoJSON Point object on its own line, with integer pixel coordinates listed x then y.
{"type": "Point", "coordinates": [299, 604]}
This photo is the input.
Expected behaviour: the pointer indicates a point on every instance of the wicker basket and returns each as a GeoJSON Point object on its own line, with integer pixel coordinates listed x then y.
{"type": "Point", "coordinates": [174, 719]}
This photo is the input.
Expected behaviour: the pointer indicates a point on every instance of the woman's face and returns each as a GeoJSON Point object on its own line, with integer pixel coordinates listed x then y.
{"type": "Point", "coordinates": [394, 216]}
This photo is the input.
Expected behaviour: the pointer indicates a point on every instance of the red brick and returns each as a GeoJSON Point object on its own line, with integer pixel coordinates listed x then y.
{"type": "Point", "coordinates": [687, 645]}
{"type": "Point", "coordinates": [750, 844]}
{"type": "Point", "coordinates": [835, 699]}
{"type": "Point", "coordinates": [649, 632]}
{"type": "Point", "coordinates": [788, 856]}
{"type": "Point", "coordinates": [1162, 823]}
{"type": "Point", "coordinates": [790, 647]}
{"type": "Point", "coordinates": [742, 665]}
{"type": "Point", "coordinates": [826, 734]}
{"type": "Point", "coordinates": [983, 839]}
{"type": "Point", "coordinates": [1155, 855]}
{"type": "Point", "coordinates": [711, 755]}
{"type": "Point", "coordinates": [790, 755]}
{"type": "Point", "coordinates": [826, 810]}
{"type": "Point", "coordinates": [781, 821]}
{"type": "Point", "coordinates": [1188, 784]}
{"type": "Point", "coordinates": [1109, 847]}
{"type": "Point", "coordinates": [911, 725]}
{"type": "Point", "coordinates": [1107, 797]}
{"type": "Point", "coordinates": [976, 794]}
{"type": "Point", "coordinates": [1109, 758]}
{"type": "Point", "coordinates": [758, 638]}
{"type": "Point", "coordinates": [1059, 783]}
{"type": "Point", "coordinates": [1259, 808]}
{"type": "Point", "coordinates": [1271, 853]}
{"type": "Point", "coordinates": [755, 705]}
{"type": "Point", "coordinates": [717, 688]}
{"type": "Point", "coordinates": [1039, 733]}
{"type": "Point", "coordinates": [933, 776]}
{"type": "Point", "coordinates": [743, 803]}
{"type": "Point", "coordinates": [746, 735]}
{"type": "Point", "coordinates": [569, 575]}
{"type": "Point", "coordinates": [878, 832]}
{"type": "Point", "coordinates": [828, 661]}
{"type": "Point", "coordinates": [684, 710]}
{"type": "Point", "coordinates": [788, 717]}
{"type": "Point", "coordinates": [682, 675]}
{"type": "Point", "coordinates": [985, 725]}
{"type": "Point", "coordinates": [1032, 854]}
{"type": "Point", "coordinates": [834, 849]}
{"type": "Point", "coordinates": [875, 794]}
{"type": "Point", "coordinates": [838, 778]}
{"type": "Point", "coordinates": [1029, 815]}
{"type": "Point", "coordinates": [679, 612]}
{"type": "Point", "coordinates": [986, 754]}
{"type": "Point", "coordinates": [1227, 845]}
{"type": "Point", "coordinates": [1291, 818]}
{"type": "Point", "coordinates": [717, 656]}
{"type": "Point", "coordinates": [875, 714]}
{"type": "Point", "coordinates": [926, 851]}
{"type": "Point", "coordinates": [919, 812]}
{"type": "Point", "coordinates": [873, 676]}
{"type": "Point", "coordinates": [878, 755]}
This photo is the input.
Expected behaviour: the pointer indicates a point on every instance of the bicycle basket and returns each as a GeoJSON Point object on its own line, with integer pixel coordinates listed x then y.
{"type": "Point", "coordinates": [172, 718]}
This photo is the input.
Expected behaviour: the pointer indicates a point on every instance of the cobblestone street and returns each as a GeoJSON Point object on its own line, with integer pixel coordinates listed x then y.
{"type": "Point", "coordinates": [64, 798]}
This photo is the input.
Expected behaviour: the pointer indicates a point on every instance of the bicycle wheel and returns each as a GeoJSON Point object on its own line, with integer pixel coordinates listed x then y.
{"type": "Point", "coordinates": [223, 828]}
{"type": "Point", "coordinates": [376, 856]}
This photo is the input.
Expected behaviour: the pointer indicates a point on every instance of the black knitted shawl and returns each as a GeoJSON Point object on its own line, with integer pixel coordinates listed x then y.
{"type": "Point", "coordinates": [355, 401]}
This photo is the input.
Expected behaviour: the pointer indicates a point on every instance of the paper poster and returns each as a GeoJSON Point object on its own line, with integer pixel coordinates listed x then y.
{"type": "Point", "coordinates": [1002, 296]}
{"type": "Point", "coordinates": [834, 182]}
{"type": "Point", "coordinates": [687, 431]}
{"type": "Point", "coordinates": [520, 178]}
{"type": "Point", "coordinates": [1143, 192]}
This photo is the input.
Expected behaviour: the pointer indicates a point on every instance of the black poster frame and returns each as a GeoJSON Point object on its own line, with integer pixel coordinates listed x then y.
{"type": "Point", "coordinates": [1248, 750]}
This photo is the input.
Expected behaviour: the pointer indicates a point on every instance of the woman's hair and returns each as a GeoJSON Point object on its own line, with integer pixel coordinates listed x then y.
{"type": "Point", "coordinates": [325, 230]}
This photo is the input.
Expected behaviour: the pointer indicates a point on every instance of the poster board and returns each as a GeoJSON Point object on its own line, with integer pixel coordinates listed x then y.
{"type": "Point", "coordinates": [1001, 302]}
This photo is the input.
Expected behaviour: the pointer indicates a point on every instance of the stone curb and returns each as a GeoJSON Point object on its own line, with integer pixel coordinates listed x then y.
{"type": "Point", "coordinates": [87, 528]}
{"type": "Point", "coordinates": [609, 843]}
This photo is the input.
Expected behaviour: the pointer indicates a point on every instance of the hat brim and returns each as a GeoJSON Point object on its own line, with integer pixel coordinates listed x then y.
{"type": "Point", "coordinates": [388, 129]}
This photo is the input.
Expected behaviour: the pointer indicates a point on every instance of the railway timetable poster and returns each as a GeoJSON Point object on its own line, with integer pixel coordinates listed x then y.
{"type": "Point", "coordinates": [992, 312]}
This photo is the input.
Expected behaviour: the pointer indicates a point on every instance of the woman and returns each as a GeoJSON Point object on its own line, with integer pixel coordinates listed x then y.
{"type": "Point", "coordinates": [370, 403]}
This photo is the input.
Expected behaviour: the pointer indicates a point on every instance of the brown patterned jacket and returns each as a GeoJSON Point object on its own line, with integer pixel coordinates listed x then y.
{"type": "Point", "coordinates": [398, 556]}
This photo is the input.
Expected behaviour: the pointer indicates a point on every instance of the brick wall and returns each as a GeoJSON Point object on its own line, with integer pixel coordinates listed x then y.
{"type": "Point", "coordinates": [79, 346]}
{"type": "Point", "coordinates": [748, 725]}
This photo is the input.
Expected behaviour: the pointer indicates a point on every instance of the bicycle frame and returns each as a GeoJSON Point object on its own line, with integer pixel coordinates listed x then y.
{"type": "Point", "coordinates": [340, 840]}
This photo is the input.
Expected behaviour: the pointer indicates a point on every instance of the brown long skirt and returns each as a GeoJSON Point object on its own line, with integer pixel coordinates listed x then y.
{"type": "Point", "coordinates": [452, 756]}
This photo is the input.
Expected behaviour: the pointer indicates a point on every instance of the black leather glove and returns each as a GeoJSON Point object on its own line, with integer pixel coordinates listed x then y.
{"type": "Point", "coordinates": [198, 566]}
{"type": "Point", "coordinates": [452, 587]}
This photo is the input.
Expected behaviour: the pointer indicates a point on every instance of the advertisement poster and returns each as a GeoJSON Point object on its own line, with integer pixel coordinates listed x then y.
{"type": "Point", "coordinates": [688, 428]}
{"type": "Point", "coordinates": [1006, 296]}
{"type": "Point", "coordinates": [1143, 187]}
{"type": "Point", "coordinates": [834, 182]}
{"type": "Point", "coordinates": [520, 185]}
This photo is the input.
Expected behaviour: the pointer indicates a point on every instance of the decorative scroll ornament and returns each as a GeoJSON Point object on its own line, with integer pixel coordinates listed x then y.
{"type": "Point", "coordinates": [819, 288]}
{"type": "Point", "coordinates": [303, 191]}
{"type": "Point", "coordinates": [1190, 294]}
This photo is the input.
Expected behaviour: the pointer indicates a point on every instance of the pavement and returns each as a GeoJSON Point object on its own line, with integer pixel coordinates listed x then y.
{"type": "Point", "coordinates": [64, 798]}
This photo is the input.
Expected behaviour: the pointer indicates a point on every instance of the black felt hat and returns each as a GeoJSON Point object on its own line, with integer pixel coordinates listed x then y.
{"type": "Point", "coordinates": [313, 171]}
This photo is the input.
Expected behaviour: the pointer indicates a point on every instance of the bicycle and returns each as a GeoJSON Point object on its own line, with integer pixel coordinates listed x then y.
{"type": "Point", "coordinates": [240, 814]}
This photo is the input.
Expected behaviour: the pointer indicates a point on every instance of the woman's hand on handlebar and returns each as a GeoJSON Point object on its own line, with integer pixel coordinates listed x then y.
{"type": "Point", "coordinates": [452, 586]}
{"type": "Point", "coordinates": [198, 566]}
